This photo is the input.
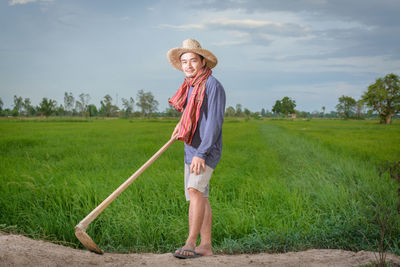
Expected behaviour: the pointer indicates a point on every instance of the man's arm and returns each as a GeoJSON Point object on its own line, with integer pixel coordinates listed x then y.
{"type": "Point", "coordinates": [174, 134]}
{"type": "Point", "coordinates": [216, 109]}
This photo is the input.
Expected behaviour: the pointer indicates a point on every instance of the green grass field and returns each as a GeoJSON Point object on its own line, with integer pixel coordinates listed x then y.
{"type": "Point", "coordinates": [281, 185]}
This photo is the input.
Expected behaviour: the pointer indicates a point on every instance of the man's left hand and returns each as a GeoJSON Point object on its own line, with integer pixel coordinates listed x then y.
{"type": "Point", "coordinates": [196, 165]}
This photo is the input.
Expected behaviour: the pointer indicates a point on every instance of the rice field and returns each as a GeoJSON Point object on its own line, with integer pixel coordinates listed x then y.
{"type": "Point", "coordinates": [282, 185]}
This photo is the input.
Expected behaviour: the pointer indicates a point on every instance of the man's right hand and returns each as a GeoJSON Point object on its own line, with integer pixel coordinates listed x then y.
{"type": "Point", "coordinates": [175, 132]}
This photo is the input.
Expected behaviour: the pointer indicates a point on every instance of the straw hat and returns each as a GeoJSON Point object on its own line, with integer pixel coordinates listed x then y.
{"type": "Point", "coordinates": [190, 45]}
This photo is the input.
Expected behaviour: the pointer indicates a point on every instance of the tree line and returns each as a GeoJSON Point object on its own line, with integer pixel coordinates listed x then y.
{"type": "Point", "coordinates": [145, 102]}
{"type": "Point", "coordinates": [382, 100]}
{"type": "Point", "coordinates": [381, 97]}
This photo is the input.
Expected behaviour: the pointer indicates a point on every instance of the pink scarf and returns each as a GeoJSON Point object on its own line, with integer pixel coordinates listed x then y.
{"type": "Point", "coordinates": [191, 114]}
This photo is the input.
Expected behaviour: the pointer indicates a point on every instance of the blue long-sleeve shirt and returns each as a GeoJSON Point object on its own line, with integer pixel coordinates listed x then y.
{"type": "Point", "coordinates": [207, 139]}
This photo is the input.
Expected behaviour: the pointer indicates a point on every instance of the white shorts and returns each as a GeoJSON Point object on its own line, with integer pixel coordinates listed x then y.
{"type": "Point", "coordinates": [199, 182]}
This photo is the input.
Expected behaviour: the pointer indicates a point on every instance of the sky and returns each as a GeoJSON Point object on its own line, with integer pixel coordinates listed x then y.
{"type": "Point", "coordinates": [313, 51]}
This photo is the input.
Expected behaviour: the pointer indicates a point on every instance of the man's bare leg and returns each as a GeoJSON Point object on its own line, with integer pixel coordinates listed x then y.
{"type": "Point", "coordinates": [205, 247]}
{"type": "Point", "coordinates": [196, 217]}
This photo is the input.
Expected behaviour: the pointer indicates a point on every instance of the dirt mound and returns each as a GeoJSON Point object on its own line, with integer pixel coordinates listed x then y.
{"type": "Point", "coordinates": [18, 250]}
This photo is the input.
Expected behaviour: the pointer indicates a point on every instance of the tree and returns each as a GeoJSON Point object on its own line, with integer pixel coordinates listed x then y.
{"type": "Point", "coordinates": [304, 114]}
{"type": "Point", "coordinates": [92, 110]}
{"type": "Point", "coordinates": [47, 106]}
{"type": "Point", "coordinates": [359, 109]}
{"type": "Point", "coordinates": [230, 112]}
{"type": "Point", "coordinates": [247, 112]}
{"type": "Point", "coordinates": [60, 111]}
{"type": "Point", "coordinates": [107, 108]}
{"type": "Point", "coordinates": [287, 105]}
{"type": "Point", "coordinates": [256, 115]}
{"type": "Point", "coordinates": [128, 105]}
{"type": "Point", "coordinates": [315, 114]}
{"type": "Point", "coordinates": [346, 106]}
{"type": "Point", "coordinates": [29, 109]}
{"type": "Point", "coordinates": [81, 105]}
{"type": "Point", "coordinates": [69, 102]}
{"type": "Point", "coordinates": [26, 104]}
{"type": "Point", "coordinates": [239, 112]}
{"type": "Point", "coordinates": [17, 105]}
{"type": "Point", "coordinates": [78, 107]}
{"type": "Point", "coordinates": [333, 114]}
{"type": "Point", "coordinates": [170, 111]}
{"type": "Point", "coordinates": [1, 105]}
{"type": "Point", "coordinates": [277, 108]}
{"type": "Point", "coordinates": [84, 99]}
{"type": "Point", "coordinates": [323, 111]}
{"type": "Point", "coordinates": [147, 103]}
{"type": "Point", "coordinates": [263, 113]}
{"type": "Point", "coordinates": [384, 97]}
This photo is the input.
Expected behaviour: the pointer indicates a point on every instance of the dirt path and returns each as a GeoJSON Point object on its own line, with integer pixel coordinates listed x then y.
{"type": "Point", "coordinates": [18, 250]}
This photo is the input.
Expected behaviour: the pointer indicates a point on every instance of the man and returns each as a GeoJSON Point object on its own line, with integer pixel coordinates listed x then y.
{"type": "Point", "coordinates": [202, 99]}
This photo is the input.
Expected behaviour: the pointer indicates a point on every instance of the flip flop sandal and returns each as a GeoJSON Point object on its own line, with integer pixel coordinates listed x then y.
{"type": "Point", "coordinates": [180, 256]}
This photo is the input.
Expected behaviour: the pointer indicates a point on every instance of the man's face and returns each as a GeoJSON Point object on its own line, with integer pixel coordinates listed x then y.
{"type": "Point", "coordinates": [191, 64]}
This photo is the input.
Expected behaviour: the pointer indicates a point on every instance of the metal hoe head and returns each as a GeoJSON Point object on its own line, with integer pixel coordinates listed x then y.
{"type": "Point", "coordinates": [86, 240]}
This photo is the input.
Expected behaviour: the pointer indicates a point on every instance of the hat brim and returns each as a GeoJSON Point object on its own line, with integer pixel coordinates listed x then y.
{"type": "Point", "coordinates": [174, 56]}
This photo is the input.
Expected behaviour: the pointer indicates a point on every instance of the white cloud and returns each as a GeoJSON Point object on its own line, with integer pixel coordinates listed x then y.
{"type": "Point", "coordinates": [239, 34]}
{"type": "Point", "coordinates": [184, 27]}
{"type": "Point", "coordinates": [260, 26]}
{"type": "Point", "coordinates": [246, 31]}
{"type": "Point", "coordinates": [229, 43]}
{"type": "Point", "coordinates": [244, 24]}
{"type": "Point", "coordinates": [20, 2]}
{"type": "Point", "coordinates": [23, 2]}
{"type": "Point", "coordinates": [369, 12]}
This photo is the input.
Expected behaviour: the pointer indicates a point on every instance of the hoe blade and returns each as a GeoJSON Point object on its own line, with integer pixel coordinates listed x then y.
{"type": "Point", "coordinates": [87, 241]}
